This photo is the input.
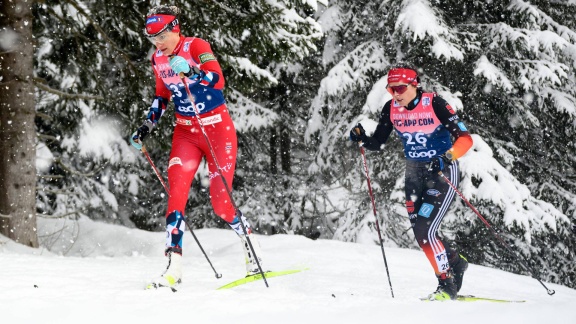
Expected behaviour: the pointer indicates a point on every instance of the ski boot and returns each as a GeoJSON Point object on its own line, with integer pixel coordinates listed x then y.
{"type": "Point", "coordinates": [459, 267]}
{"type": "Point", "coordinates": [446, 288]}
{"type": "Point", "coordinates": [251, 265]}
{"type": "Point", "coordinates": [172, 276]}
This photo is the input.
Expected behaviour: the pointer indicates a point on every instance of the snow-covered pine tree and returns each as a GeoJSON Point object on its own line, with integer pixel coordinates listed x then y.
{"type": "Point", "coordinates": [521, 88]}
{"type": "Point", "coordinates": [91, 76]}
{"type": "Point", "coordinates": [276, 181]}
{"type": "Point", "coordinates": [352, 92]}
{"type": "Point", "coordinates": [508, 67]}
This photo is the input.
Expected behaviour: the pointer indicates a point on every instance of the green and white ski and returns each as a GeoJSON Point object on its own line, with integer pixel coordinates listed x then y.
{"type": "Point", "coordinates": [268, 274]}
{"type": "Point", "coordinates": [474, 298]}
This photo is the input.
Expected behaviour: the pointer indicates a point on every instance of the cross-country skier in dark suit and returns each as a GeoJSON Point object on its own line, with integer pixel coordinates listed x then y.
{"type": "Point", "coordinates": [425, 123]}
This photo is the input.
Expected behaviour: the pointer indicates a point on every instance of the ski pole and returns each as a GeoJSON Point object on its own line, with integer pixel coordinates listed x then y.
{"type": "Point", "coordinates": [143, 149]}
{"type": "Point", "coordinates": [375, 216]}
{"type": "Point", "coordinates": [220, 172]}
{"type": "Point", "coordinates": [498, 237]}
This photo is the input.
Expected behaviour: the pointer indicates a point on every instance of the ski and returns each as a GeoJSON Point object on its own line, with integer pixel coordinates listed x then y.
{"type": "Point", "coordinates": [471, 298]}
{"type": "Point", "coordinates": [268, 274]}
{"type": "Point", "coordinates": [495, 300]}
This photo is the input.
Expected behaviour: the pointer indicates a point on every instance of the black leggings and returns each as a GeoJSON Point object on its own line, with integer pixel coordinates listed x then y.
{"type": "Point", "coordinates": [428, 198]}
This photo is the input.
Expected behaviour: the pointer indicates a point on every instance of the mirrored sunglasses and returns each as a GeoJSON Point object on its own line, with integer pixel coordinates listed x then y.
{"type": "Point", "coordinates": [399, 89]}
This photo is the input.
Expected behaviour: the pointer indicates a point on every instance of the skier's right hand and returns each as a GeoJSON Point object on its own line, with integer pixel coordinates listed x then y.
{"type": "Point", "coordinates": [439, 163]}
{"type": "Point", "coordinates": [357, 134]}
{"type": "Point", "coordinates": [141, 133]}
{"type": "Point", "coordinates": [179, 65]}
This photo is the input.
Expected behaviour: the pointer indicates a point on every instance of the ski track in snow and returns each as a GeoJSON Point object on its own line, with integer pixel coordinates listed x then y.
{"type": "Point", "coordinates": [103, 279]}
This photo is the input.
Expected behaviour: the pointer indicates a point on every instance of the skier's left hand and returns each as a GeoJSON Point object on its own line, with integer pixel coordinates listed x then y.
{"type": "Point", "coordinates": [141, 133]}
{"type": "Point", "coordinates": [358, 134]}
{"type": "Point", "coordinates": [439, 163]}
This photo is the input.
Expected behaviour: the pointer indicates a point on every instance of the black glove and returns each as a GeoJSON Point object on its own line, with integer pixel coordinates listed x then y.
{"type": "Point", "coordinates": [194, 73]}
{"type": "Point", "coordinates": [357, 134]}
{"type": "Point", "coordinates": [144, 130]}
{"type": "Point", "coordinates": [141, 133]}
{"type": "Point", "coordinates": [439, 163]}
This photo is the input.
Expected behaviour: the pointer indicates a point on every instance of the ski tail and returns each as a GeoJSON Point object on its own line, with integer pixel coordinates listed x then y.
{"type": "Point", "coordinates": [471, 298]}
{"type": "Point", "coordinates": [494, 300]}
{"type": "Point", "coordinates": [258, 276]}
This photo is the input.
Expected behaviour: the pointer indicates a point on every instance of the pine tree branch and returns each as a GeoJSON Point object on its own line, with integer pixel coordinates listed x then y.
{"type": "Point", "coordinates": [48, 137]}
{"type": "Point", "coordinates": [70, 170]}
{"type": "Point", "coordinates": [60, 216]}
{"type": "Point", "coordinates": [228, 9]}
{"type": "Point", "coordinates": [102, 32]}
{"type": "Point", "coordinates": [55, 192]}
{"type": "Point", "coordinates": [38, 83]}
{"type": "Point", "coordinates": [50, 176]}
{"type": "Point", "coordinates": [44, 116]}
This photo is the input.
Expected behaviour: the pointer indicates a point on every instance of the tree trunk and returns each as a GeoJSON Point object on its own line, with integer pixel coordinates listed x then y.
{"type": "Point", "coordinates": [273, 151]}
{"type": "Point", "coordinates": [285, 153]}
{"type": "Point", "coordinates": [17, 129]}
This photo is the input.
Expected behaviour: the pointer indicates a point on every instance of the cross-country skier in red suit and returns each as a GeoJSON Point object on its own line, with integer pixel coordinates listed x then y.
{"type": "Point", "coordinates": [425, 123]}
{"type": "Point", "coordinates": [192, 56]}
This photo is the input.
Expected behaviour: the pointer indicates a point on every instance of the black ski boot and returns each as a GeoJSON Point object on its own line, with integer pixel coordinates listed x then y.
{"type": "Point", "coordinates": [446, 288]}
{"type": "Point", "coordinates": [459, 267]}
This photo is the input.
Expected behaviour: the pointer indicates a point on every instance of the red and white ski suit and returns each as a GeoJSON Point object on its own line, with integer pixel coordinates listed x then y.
{"type": "Point", "coordinates": [188, 143]}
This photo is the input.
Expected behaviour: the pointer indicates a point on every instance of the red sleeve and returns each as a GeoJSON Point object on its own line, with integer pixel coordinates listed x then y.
{"type": "Point", "coordinates": [161, 90]}
{"type": "Point", "coordinates": [202, 53]}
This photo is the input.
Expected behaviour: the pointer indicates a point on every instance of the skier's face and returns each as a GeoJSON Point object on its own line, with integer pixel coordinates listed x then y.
{"type": "Point", "coordinates": [402, 93]}
{"type": "Point", "coordinates": [166, 41]}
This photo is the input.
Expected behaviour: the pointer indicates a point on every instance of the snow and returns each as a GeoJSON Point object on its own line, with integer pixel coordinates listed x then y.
{"type": "Point", "coordinates": [8, 39]}
{"type": "Point", "coordinates": [44, 157]}
{"type": "Point", "coordinates": [352, 71]}
{"type": "Point", "coordinates": [244, 66]}
{"type": "Point", "coordinates": [377, 97]}
{"type": "Point", "coordinates": [101, 278]}
{"type": "Point", "coordinates": [101, 138]}
{"type": "Point", "coordinates": [247, 114]}
{"type": "Point", "coordinates": [492, 73]}
{"type": "Point", "coordinates": [419, 18]}
{"type": "Point", "coordinates": [500, 188]}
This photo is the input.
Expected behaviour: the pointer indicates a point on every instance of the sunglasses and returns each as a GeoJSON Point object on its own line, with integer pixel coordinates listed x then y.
{"type": "Point", "coordinates": [160, 38]}
{"type": "Point", "coordinates": [399, 89]}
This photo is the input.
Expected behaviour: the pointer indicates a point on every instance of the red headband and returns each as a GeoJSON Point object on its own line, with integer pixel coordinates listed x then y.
{"type": "Point", "coordinates": [402, 75]}
{"type": "Point", "coordinates": [158, 23]}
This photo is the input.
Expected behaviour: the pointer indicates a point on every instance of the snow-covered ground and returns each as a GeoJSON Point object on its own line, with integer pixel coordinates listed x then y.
{"type": "Point", "coordinates": [102, 277]}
